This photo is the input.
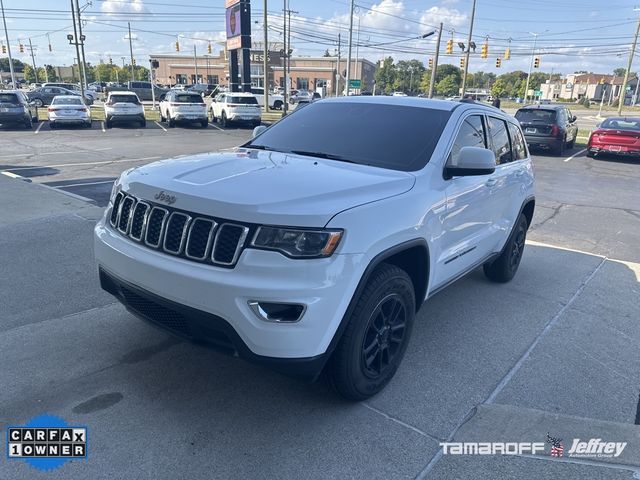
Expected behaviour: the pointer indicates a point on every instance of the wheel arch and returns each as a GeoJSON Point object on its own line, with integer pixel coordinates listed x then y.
{"type": "Point", "coordinates": [528, 208]}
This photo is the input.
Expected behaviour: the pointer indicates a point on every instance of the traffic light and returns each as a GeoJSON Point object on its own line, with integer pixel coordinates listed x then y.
{"type": "Point", "coordinates": [536, 62]}
{"type": "Point", "coordinates": [431, 63]}
{"type": "Point", "coordinates": [498, 62]}
{"type": "Point", "coordinates": [484, 51]}
{"type": "Point", "coordinates": [110, 61]}
{"type": "Point", "coordinates": [21, 46]}
{"type": "Point", "coordinates": [507, 54]}
{"type": "Point", "coordinates": [462, 62]}
{"type": "Point", "coordinates": [133, 62]}
{"type": "Point", "coordinates": [209, 49]}
{"type": "Point", "coordinates": [449, 47]}
{"type": "Point", "coordinates": [177, 46]}
{"type": "Point", "coordinates": [4, 48]}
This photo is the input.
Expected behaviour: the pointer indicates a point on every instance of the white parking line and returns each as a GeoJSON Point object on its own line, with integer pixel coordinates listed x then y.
{"type": "Point", "coordinates": [160, 126]}
{"type": "Point", "coordinates": [39, 127]}
{"type": "Point", "coordinates": [102, 126]}
{"type": "Point", "coordinates": [215, 126]}
{"type": "Point", "coordinates": [86, 163]}
{"type": "Point", "coordinates": [568, 159]}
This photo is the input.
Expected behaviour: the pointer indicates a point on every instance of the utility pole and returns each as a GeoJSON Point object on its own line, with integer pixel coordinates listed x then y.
{"type": "Point", "coordinates": [285, 56]}
{"type": "Point", "coordinates": [265, 63]}
{"type": "Point", "coordinates": [466, 61]}
{"type": "Point", "coordinates": [77, 44]}
{"type": "Point", "coordinates": [533, 54]}
{"type": "Point", "coordinates": [84, 60]}
{"type": "Point", "coordinates": [355, 66]}
{"type": "Point", "coordinates": [626, 74]}
{"type": "Point", "coordinates": [435, 63]}
{"type": "Point", "coordinates": [195, 62]}
{"type": "Point", "coordinates": [338, 69]}
{"type": "Point", "coordinates": [350, 45]}
{"type": "Point", "coordinates": [6, 35]}
{"type": "Point", "coordinates": [33, 60]}
{"type": "Point", "coordinates": [133, 73]}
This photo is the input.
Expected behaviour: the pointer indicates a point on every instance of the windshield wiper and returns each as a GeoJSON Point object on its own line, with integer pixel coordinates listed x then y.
{"type": "Point", "coordinates": [259, 147]}
{"type": "Point", "coordinates": [328, 156]}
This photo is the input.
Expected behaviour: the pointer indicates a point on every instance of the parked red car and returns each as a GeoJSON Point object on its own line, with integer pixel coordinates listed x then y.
{"type": "Point", "coordinates": [616, 135]}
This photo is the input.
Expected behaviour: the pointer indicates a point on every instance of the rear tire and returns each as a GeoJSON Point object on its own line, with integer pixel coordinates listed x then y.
{"type": "Point", "coordinates": [204, 123]}
{"type": "Point", "coordinates": [52, 125]}
{"type": "Point", "coordinates": [591, 154]}
{"type": "Point", "coordinates": [162, 117]}
{"type": "Point", "coordinates": [223, 120]}
{"type": "Point", "coordinates": [171, 121]}
{"type": "Point", "coordinates": [143, 123]}
{"type": "Point", "coordinates": [504, 268]}
{"type": "Point", "coordinates": [277, 105]}
{"type": "Point", "coordinates": [28, 124]}
{"type": "Point", "coordinates": [376, 337]}
{"type": "Point", "coordinates": [108, 123]}
{"type": "Point", "coordinates": [559, 150]}
{"type": "Point", "coordinates": [571, 144]}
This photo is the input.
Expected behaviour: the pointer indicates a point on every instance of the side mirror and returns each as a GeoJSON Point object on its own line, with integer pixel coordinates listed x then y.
{"type": "Point", "coordinates": [162, 97]}
{"type": "Point", "coordinates": [472, 161]}
{"type": "Point", "coordinates": [32, 104]}
{"type": "Point", "coordinates": [258, 130]}
{"type": "Point", "coordinates": [574, 118]}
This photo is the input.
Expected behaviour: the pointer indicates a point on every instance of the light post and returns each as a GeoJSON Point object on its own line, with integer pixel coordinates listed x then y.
{"type": "Point", "coordinates": [6, 35]}
{"type": "Point", "coordinates": [73, 40]}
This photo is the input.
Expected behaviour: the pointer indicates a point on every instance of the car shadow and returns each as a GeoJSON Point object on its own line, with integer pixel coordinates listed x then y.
{"type": "Point", "coordinates": [29, 171]}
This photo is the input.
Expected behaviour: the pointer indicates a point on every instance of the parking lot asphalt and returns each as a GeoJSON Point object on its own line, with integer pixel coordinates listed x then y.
{"type": "Point", "coordinates": [554, 351]}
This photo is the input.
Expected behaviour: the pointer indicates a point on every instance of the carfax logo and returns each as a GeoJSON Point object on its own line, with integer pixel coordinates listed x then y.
{"type": "Point", "coordinates": [46, 442]}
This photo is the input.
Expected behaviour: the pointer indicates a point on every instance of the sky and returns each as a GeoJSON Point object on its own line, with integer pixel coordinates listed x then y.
{"type": "Point", "coordinates": [572, 35]}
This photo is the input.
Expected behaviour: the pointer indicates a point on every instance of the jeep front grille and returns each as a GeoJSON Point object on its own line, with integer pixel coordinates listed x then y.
{"type": "Point", "coordinates": [183, 234]}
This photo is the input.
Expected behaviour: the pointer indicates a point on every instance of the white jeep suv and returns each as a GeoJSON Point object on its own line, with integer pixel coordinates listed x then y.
{"type": "Point", "coordinates": [311, 247]}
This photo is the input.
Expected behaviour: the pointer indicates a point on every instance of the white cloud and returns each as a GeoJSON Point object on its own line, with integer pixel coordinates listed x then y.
{"type": "Point", "coordinates": [120, 7]}
{"type": "Point", "coordinates": [450, 17]}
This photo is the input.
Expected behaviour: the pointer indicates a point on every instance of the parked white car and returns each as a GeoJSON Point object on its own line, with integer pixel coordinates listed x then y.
{"type": "Point", "coordinates": [68, 110]}
{"type": "Point", "coordinates": [276, 101]}
{"type": "Point", "coordinates": [311, 247]}
{"type": "Point", "coordinates": [235, 107]}
{"type": "Point", "coordinates": [177, 106]}
{"type": "Point", "coordinates": [123, 106]}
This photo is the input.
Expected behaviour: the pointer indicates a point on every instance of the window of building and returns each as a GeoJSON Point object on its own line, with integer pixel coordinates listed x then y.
{"type": "Point", "coordinates": [181, 78]}
{"type": "Point", "coordinates": [213, 79]}
{"type": "Point", "coordinates": [302, 83]}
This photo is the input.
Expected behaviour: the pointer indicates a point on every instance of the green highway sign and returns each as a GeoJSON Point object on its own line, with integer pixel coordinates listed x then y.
{"type": "Point", "coordinates": [537, 93]}
{"type": "Point", "coordinates": [355, 83]}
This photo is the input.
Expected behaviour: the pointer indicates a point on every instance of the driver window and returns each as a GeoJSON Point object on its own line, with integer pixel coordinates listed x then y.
{"type": "Point", "coordinates": [471, 134]}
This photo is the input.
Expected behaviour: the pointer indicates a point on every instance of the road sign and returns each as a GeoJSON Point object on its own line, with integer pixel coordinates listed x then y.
{"type": "Point", "coordinates": [355, 83]}
{"type": "Point", "coordinates": [537, 93]}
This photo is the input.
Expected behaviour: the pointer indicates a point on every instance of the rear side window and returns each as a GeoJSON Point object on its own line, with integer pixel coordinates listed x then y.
{"type": "Point", "coordinates": [519, 147]}
{"type": "Point", "coordinates": [188, 99]}
{"type": "Point", "coordinates": [243, 100]}
{"type": "Point", "coordinates": [536, 115]}
{"type": "Point", "coordinates": [620, 123]}
{"type": "Point", "coordinates": [11, 98]}
{"type": "Point", "coordinates": [471, 134]}
{"type": "Point", "coordinates": [500, 140]}
{"type": "Point", "coordinates": [124, 99]}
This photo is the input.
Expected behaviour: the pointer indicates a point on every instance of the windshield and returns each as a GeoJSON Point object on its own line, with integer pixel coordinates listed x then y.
{"type": "Point", "coordinates": [9, 98]}
{"type": "Point", "coordinates": [67, 101]}
{"type": "Point", "coordinates": [622, 124]}
{"type": "Point", "coordinates": [531, 115]}
{"type": "Point", "coordinates": [243, 100]}
{"type": "Point", "coordinates": [189, 99]}
{"type": "Point", "coordinates": [354, 132]}
{"type": "Point", "coordinates": [124, 99]}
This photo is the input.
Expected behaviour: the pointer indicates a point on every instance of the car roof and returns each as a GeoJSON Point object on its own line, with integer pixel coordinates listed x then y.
{"type": "Point", "coordinates": [446, 105]}
{"type": "Point", "coordinates": [542, 107]}
{"type": "Point", "coordinates": [240, 94]}
{"type": "Point", "coordinates": [624, 119]}
{"type": "Point", "coordinates": [122, 92]}
{"type": "Point", "coordinates": [75, 97]}
{"type": "Point", "coordinates": [11, 91]}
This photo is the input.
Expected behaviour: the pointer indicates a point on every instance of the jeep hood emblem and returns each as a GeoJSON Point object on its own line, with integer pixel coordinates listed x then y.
{"type": "Point", "coordinates": [165, 197]}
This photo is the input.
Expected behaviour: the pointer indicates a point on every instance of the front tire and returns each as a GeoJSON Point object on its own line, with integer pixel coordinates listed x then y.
{"type": "Point", "coordinates": [504, 268]}
{"type": "Point", "coordinates": [171, 121]}
{"type": "Point", "coordinates": [376, 337]}
{"type": "Point", "coordinates": [38, 103]}
{"type": "Point", "coordinates": [277, 105]}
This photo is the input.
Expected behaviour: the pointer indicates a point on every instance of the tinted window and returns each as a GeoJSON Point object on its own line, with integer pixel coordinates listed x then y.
{"type": "Point", "coordinates": [471, 134]}
{"type": "Point", "coordinates": [621, 124]}
{"type": "Point", "coordinates": [351, 130]}
{"type": "Point", "coordinates": [500, 140]}
{"type": "Point", "coordinates": [535, 115]}
{"type": "Point", "coordinates": [67, 101]}
{"type": "Point", "coordinates": [124, 99]}
{"type": "Point", "coordinates": [9, 98]}
{"type": "Point", "coordinates": [188, 99]}
{"type": "Point", "coordinates": [243, 100]}
{"type": "Point", "coordinates": [519, 147]}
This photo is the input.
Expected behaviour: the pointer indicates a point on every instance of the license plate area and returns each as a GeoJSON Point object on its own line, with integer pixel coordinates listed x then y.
{"type": "Point", "coordinates": [530, 130]}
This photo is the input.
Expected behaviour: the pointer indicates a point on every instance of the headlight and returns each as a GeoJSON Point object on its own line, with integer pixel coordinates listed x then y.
{"type": "Point", "coordinates": [298, 243]}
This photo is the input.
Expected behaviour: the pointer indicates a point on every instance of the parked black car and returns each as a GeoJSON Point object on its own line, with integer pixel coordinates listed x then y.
{"type": "Point", "coordinates": [15, 109]}
{"type": "Point", "coordinates": [548, 126]}
{"type": "Point", "coordinates": [44, 95]}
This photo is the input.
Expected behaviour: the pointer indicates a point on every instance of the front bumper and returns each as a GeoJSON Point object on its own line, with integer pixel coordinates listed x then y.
{"type": "Point", "coordinates": [216, 299]}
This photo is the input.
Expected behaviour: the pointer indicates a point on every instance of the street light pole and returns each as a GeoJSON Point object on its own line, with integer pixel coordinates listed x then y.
{"type": "Point", "coordinates": [265, 62]}
{"type": "Point", "coordinates": [133, 74]}
{"type": "Point", "coordinates": [33, 60]}
{"type": "Point", "coordinates": [350, 45]}
{"type": "Point", "coordinates": [533, 53]}
{"type": "Point", "coordinates": [6, 35]}
{"type": "Point", "coordinates": [195, 62]}
{"type": "Point", "coordinates": [84, 60]}
{"type": "Point", "coordinates": [626, 74]}
{"type": "Point", "coordinates": [466, 62]}
{"type": "Point", "coordinates": [435, 63]}
{"type": "Point", "coordinates": [77, 44]}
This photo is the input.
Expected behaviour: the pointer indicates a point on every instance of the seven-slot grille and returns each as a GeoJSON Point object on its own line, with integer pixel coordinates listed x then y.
{"type": "Point", "coordinates": [183, 234]}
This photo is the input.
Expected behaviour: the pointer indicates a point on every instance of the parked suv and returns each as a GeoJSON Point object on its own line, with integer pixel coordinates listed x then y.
{"type": "Point", "coordinates": [276, 101]}
{"type": "Point", "coordinates": [15, 109]}
{"type": "Point", "coordinates": [235, 107]}
{"type": "Point", "coordinates": [177, 106]}
{"type": "Point", "coordinates": [123, 107]}
{"type": "Point", "coordinates": [551, 127]}
{"type": "Point", "coordinates": [311, 247]}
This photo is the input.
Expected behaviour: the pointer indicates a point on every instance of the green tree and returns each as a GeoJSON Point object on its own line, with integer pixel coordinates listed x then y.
{"type": "Point", "coordinates": [29, 74]}
{"type": "Point", "coordinates": [18, 66]}
{"type": "Point", "coordinates": [51, 73]}
{"type": "Point", "coordinates": [385, 75]}
{"type": "Point", "coordinates": [619, 72]}
{"type": "Point", "coordinates": [499, 89]}
{"type": "Point", "coordinates": [448, 86]}
{"type": "Point", "coordinates": [408, 75]}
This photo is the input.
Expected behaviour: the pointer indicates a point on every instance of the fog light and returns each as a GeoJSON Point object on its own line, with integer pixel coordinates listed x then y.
{"type": "Point", "coordinates": [277, 312]}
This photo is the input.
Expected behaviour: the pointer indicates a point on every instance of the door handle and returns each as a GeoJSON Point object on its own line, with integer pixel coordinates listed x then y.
{"type": "Point", "coordinates": [491, 182]}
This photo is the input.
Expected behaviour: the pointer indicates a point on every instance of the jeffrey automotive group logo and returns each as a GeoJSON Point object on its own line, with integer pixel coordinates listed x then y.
{"type": "Point", "coordinates": [46, 442]}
